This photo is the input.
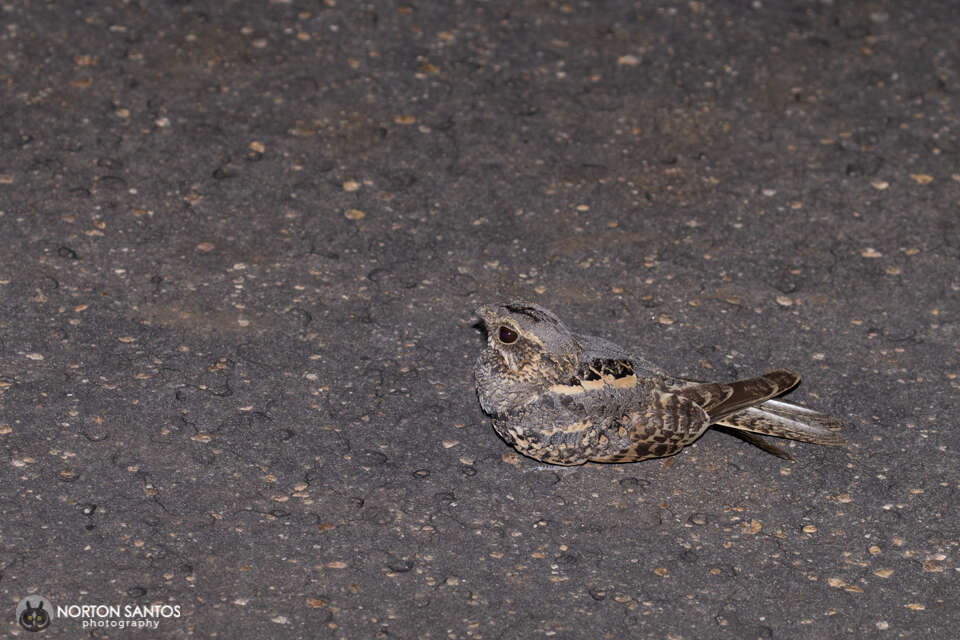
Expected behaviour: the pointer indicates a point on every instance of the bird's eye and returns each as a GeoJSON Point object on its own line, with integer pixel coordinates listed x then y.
{"type": "Point", "coordinates": [507, 335]}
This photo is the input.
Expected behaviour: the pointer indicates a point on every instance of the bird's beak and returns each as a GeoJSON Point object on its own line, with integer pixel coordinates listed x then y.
{"type": "Point", "coordinates": [484, 314]}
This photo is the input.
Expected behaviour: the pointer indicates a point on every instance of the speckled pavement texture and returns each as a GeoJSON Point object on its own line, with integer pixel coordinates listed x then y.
{"type": "Point", "coordinates": [241, 247]}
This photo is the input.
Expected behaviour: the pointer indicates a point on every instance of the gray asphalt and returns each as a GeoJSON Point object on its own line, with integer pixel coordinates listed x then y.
{"type": "Point", "coordinates": [242, 244]}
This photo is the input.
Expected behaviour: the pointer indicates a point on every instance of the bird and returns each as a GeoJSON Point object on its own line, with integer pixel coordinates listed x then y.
{"type": "Point", "coordinates": [566, 398]}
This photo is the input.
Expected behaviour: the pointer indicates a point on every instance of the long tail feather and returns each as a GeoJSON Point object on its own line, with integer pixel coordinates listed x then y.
{"type": "Point", "coordinates": [785, 420]}
{"type": "Point", "coordinates": [756, 441]}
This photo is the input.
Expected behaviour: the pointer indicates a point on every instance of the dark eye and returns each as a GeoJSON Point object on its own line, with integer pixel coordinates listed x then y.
{"type": "Point", "coordinates": [507, 335]}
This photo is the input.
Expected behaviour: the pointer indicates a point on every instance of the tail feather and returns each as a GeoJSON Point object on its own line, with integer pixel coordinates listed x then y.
{"type": "Point", "coordinates": [756, 441]}
{"type": "Point", "coordinates": [785, 420]}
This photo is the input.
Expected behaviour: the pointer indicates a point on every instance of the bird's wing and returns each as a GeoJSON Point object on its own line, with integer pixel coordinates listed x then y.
{"type": "Point", "coordinates": [720, 400]}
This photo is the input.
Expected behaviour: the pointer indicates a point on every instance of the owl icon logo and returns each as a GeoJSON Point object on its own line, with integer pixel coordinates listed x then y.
{"type": "Point", "coordinates": [34, 613]}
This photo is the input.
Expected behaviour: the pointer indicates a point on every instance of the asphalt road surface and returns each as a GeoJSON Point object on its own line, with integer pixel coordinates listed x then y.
{"type": "Point", "coordinates": [241, 245]}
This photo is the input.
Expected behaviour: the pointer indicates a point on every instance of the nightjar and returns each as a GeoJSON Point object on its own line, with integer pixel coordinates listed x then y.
{"type": "Point", "coordinates": [566, 398]}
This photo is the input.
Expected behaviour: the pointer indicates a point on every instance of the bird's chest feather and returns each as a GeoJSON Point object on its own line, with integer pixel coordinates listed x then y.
{"type": "Point", "coordinates": [502, 390]}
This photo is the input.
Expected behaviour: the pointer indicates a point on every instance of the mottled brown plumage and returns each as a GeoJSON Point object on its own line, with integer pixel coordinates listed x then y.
{"type": "Point", "coordinates": [567, 399]}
